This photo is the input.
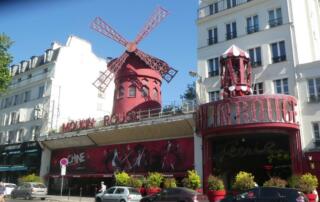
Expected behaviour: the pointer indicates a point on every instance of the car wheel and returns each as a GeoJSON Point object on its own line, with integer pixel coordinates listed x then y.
{"type": "Point", "coordinates": [28, 197]}
{"type": "Point", "coordinates": [98, 199]}
{"type": "Point", "coordinates": [122, 200]}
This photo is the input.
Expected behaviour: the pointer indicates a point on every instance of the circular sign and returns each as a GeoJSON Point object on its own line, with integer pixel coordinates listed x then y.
{"type": "Point", "coordinates": [64, 161]}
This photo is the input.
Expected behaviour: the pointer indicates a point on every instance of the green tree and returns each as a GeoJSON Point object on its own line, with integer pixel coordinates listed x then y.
{"type": "Point", "coordinates": [5, 60]}
{"type": "Point", "coordinates": [190, 93]}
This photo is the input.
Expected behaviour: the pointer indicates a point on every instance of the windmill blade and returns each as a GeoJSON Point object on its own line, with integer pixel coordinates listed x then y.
{"type": "Point", "coordinates": [116, 65]}
{"type": "Point", "coordinates": [107, 76]}
{"type": "Point", "coordinates": [158, 15]}
{"type": "Point", "coordinates": [167, 73]}
{"type": "Point", "coordinates": [102, 27]}
{"type": "Point", "coordinates": [103, 80]}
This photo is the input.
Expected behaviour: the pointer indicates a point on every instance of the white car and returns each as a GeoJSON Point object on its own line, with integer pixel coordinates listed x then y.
{"type": "Point", "coordinates": [8, 188]}
{"type": "Point", "coordinates": [119, 193]}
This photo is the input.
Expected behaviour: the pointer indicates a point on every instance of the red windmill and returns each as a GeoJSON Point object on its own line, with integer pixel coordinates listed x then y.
{"type": "Point", "coordinates": [137, 75]}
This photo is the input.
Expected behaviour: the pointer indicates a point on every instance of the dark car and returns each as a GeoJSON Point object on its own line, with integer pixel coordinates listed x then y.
{"type": "Point", "coordinates": [268, 194]}
{"type": "Point", "coordinates": [179, 194]}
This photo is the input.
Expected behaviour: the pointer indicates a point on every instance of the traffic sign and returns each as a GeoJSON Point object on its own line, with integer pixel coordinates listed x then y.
{"type": "Point", "coordinates": [63, 170]}
{"type": "Point", "coordinates": [64, 162]}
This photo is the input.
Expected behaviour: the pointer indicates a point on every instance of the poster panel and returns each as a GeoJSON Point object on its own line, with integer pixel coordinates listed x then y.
{"type": "Point", "coordinates": [174, 155]}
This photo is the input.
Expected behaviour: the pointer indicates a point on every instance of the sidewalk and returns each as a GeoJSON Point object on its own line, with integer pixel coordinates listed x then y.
{"type": "Point", "coordinates": [55, 198]}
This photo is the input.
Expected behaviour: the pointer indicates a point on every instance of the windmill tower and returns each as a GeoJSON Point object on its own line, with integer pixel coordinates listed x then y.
{"type": "Point", "coordinates": [137, 75]}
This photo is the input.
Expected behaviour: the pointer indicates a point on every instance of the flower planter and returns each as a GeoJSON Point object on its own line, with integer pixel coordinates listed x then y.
{"type": "Point", "coordinates": [216, 195]}
{"type": "Point", "coordinates": [153, 190]}
{"type": "Point", "coordinates": [311, 197]}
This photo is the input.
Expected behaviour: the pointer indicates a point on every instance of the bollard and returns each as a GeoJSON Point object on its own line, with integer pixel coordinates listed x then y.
{"type": "Point", "coordinates": [80, 193]}
{"type": "Point", "coordinates": [69, 193]}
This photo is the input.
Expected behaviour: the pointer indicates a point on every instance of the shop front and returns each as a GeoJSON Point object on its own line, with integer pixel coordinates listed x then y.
{"type": "Point", "coordinates": [20, 159]}
{"type": "Point", "coordinates": [88, 166]}
{"type": "Point", "coordinates": [244, 132]}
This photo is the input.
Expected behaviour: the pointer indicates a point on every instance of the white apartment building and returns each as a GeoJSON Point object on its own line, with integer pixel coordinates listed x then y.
{"type": "Point", "coordinates": [282, 38]}
{"type": "Point", "coordinates": [52, 89]}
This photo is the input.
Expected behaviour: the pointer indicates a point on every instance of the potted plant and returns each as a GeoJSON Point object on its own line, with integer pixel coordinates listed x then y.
{"type": "Point", "coordinates": [169, 183]}
{"type": "Point", "coordinates": [275, 182]}
{"type": "Point", "coordinates": [216, 190]}
{"type": "Point", "coordinates": [243, 181]}
{"type": "Point", "coordinates": [192, 181]}
{"type": "Point", "coordinates": [136, 183]}
{"type": "Point", "coordinates": [122, 178]}
{"type": "Point", "coordinates": [154, 181]}
{"type": "Point", "coordinates": [293, 181]}
{"type": "Point", "coordinates": [307, 184]}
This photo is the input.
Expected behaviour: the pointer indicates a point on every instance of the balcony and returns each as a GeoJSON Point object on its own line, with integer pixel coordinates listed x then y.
{"type": "Point", "coordinates": [212, 40]}
{"type": "Point", "coordinates": [275, 22]}
{"type": "Point", "coordinates": [279, 59]}
{"type": "Point", "coordinates": [231, 35]}
{"type": "Point", "coordinates": [252, 29]}
{"type": "Point", "coordinates": [219, 6]}
{"type": "Point", "coordinates": [214, 73]}
{"type": "Point", "coordinates": [314, 98]}
{"type": "Point", "coordinates": [256, 64]}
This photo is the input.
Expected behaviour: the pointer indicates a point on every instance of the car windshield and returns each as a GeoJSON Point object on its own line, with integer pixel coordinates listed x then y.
{"type": "Point", "coordinates": [39, 186]}
{"type": "Point", "coordinates": [10, 186]}
{"type": "Point", "coordinates": [133, 191]}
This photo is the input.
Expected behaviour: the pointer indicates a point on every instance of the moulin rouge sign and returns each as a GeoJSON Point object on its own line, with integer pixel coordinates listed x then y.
{"type": "Point", "coordinates": [247, 110]}
{"type": "Point", "coordinates": [78, 125]}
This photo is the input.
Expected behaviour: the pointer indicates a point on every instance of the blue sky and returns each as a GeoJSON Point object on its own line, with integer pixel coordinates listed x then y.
{"type": "Point", "coordinates": [34, 24]}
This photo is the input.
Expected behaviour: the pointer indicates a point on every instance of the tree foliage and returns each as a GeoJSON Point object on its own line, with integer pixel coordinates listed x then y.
{"type": "Point", "coordinates": [5, 60]}
{"type": "Point", "coordinates": [190, 93]}
{"type": "Point", "coordinates": [30, 178]}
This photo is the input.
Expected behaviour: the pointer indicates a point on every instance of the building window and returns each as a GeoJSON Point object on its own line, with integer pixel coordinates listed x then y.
{"type": "Point", "coordinates": [258, 89]}
{"type": "Point", "coordinates": [132, 91]}
{"type": "Point", "coordinates": [13, 118]}
{"type": "Point", "coordinates": [314, 89]}
{"type": "Point", "coordinates": [1, 137]}
{"type": "Point", "coordinates": [252, 24]}
{"type": "Point", "coordinates": [27, 96]}
{"type": "Point", "coordinates": [255, 56]}
{"type": "Point", "coordinates": [231, 3]}
{"type": "Point", "coordinates": [40, 91]}
{"type": "Point", "coordinates": [212, 36]}
{"type": "Point", "coordinates": [16, 100]}
{"type": "Point", "coordinates": [275, 17]}
{"type": "Point", "coordinates": [35, 132]}
{"type": "Point", "coordinates": [214, 96]}
{"type": "Point", "coordinates": [20, 135]}
{"type": "Point", "coordinates": [213, 67]}
{"type": "Point", "coordinates": [231, 30]}
{"type": "Point", "coordinates": [278, 52]}
{"type": "Point", "coordinates": [12, 136]}
{"type": "Point", "coordinates": [145, 91]}
{"type": "Point", "coordinates": [120, 92]}
{"type": "Point", "coordinates": [281, 86]}
{"type": "Point", "coordinates": [155, 94]}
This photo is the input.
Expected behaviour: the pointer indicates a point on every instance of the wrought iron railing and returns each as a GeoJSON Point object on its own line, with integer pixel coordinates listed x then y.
{"type": "Point", "coordinates": [219, 6]}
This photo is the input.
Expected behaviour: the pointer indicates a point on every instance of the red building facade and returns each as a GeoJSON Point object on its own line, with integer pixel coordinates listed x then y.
{"type": "Point", "coordinates": [244, 132]}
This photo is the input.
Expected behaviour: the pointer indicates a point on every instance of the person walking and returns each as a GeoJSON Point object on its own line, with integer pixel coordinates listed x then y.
{"type": "Point", "coordinates": [103, 187]}
{"type": "Point", "coordinates": [2, 191]}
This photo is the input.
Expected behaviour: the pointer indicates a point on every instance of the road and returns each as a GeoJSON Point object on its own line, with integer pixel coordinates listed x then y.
{"type": "Point", "coordinates": [52, 198]}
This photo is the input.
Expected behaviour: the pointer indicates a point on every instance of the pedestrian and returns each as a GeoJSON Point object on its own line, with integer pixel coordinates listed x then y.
{"type": "Point", "coordinates": [103, 187]}
{"type": "Point", "coordinates": [2, 190]}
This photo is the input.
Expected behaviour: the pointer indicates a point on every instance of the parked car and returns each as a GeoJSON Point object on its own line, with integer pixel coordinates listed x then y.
{"type": "Point", "coordinates": [119, 193]}
{"type": "Point", "coordinates": [8, 188]}
{"type": "Point", "coordinates": [29, 190]}
{"type": "Point", "coordinates": [268, 194]}
{"type": "Point", "coordinates": [180, 194]}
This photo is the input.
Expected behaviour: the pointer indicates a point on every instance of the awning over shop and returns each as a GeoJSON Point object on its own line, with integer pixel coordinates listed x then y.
{"type": "Point", "coordinates": [13, 168]}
